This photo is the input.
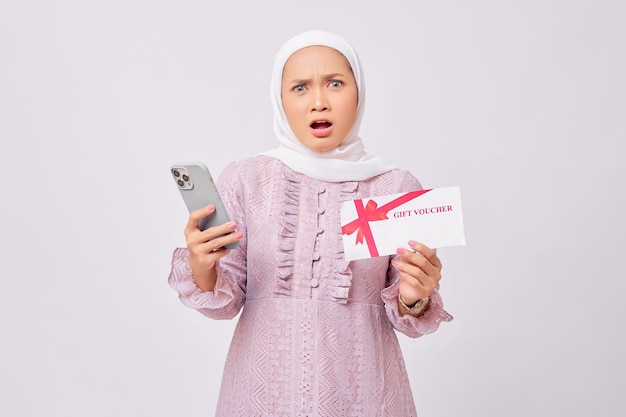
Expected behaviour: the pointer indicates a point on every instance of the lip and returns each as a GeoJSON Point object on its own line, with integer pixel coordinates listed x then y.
{"type": "Point", "coordinates": [321, 133]}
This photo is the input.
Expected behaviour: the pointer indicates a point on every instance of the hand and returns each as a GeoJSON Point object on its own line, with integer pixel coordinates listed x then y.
{"type": "Point", "coordinates": [420, 272]}
{"type": "Point", "coordinates": [206, 247]}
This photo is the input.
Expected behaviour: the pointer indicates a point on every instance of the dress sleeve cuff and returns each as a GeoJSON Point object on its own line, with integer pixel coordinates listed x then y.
{"type": "Point", "coordinates": [221, 303]}
{"type": "Point", "coordinates": [412, 326]}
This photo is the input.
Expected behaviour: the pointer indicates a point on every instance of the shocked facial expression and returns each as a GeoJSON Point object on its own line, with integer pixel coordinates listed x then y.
{"type": "Point", "coordinates": [319, 96]}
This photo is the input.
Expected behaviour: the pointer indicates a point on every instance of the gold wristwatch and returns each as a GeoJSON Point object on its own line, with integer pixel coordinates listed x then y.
{"type": "Point", "coordinates": [419, 306]}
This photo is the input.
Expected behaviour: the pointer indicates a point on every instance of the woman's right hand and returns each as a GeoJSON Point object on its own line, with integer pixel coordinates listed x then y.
{"type": "Point", "coordinates": [206, 247]}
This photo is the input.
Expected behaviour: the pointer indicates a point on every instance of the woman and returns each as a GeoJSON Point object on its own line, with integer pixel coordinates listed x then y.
{"type": "Point", "coordinates": [316, 333]}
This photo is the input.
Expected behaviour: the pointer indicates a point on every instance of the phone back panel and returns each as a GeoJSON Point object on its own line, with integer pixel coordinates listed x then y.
{"type": "Point", "coordinates": [196, 186]}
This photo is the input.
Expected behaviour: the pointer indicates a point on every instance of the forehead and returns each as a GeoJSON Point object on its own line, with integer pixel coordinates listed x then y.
{"type": "Point", "coordinates": [314, 58]}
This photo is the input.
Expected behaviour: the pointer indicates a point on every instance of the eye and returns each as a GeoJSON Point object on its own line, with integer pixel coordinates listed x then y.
{"type": "Point", "coordinates": [335, 84]}
{"type": "Point", "coordinates": [298, 88]}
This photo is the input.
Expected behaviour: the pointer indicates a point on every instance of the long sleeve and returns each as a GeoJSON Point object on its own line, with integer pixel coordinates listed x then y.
{"type": "Point", "coordinates": [228, 296]}
{"type": "Point", "coordinates": [224, 302]}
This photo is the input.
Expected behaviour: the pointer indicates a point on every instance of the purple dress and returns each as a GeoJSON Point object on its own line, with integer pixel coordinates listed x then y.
{"type": "Point", "coordinates": [316, 334]}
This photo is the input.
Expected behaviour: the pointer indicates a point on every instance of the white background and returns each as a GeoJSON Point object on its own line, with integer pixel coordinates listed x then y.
{"type": "Point", "coordinates": [520, 103]}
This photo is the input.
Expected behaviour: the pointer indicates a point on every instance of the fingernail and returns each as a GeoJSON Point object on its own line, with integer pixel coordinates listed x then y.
{"type": "Point", "coordinates": [232, 226]}
{"type": "Point", "coordinates": [239, 235]}
{"type": "Point", "coordinates": [210, 207]}
{"type": "Point", "coordinates": [400, 251]}
{"type": "Point", "coordinates": [395, 261]}
{"type": "Point", "coordinates": [412, 243]}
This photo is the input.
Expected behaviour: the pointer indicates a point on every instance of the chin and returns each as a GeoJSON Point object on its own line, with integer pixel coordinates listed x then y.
{"type": "Point", "coordinates": [321, 145]}
{"type": "Point", "coordinates": [322, 149]}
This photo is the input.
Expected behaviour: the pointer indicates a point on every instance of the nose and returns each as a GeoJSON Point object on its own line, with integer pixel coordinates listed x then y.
{"type": "Point", "coordinates": [319, 100]}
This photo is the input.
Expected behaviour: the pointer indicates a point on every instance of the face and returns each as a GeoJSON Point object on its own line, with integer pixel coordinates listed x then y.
{"type": "Point", "coordinates": [319, 96]}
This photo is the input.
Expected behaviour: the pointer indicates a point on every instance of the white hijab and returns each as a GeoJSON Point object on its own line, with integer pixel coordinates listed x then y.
{"type": "Point", "coordinates": [347, 162]}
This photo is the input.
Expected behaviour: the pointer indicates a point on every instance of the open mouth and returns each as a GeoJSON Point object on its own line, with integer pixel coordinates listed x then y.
{"type": "Point", "coordinates": [321, 128]}
{"type": "Point", "coordinates": [321, 125]}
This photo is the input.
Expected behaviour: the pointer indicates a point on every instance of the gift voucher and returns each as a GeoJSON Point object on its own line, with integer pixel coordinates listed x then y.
{"type": "Point", "coordinates": [378, 226]}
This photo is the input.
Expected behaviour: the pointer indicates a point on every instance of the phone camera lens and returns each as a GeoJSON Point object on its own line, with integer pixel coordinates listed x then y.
{"type": "Point", "coordinates": [185, 177]}
{"type": "Point", "coordinates": [176, 173]}
{"type": "Point", "coordinates": [181, 183]}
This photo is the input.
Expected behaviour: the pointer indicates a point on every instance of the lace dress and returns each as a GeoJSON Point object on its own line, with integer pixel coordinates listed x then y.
{"type": "Point", "coordinates": [315, 337]}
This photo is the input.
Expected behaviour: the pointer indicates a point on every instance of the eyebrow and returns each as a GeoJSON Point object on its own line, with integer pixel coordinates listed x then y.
{"type": "Point", "coordinates": [325, 77]}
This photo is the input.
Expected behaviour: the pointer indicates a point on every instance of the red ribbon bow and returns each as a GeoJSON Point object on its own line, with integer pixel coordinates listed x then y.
{"type": "Point", "coordinates": [370, 213]}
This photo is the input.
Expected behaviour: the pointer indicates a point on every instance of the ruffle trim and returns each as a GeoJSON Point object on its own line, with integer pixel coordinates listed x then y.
{"type": "Point", "coordinates": [287, 234]}
{"type": "Point", "coordinates": [343, 277]}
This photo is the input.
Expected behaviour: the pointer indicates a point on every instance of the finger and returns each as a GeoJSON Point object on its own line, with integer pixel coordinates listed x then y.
{"type": "Point", "coordinates": [219, 230]}
{"type": "Point", "coordinates": [225, 239]}
{"type": "Point", "coordinates": [413, 274]}
{"type": "Point", "coordinates": [203, 250]}
{"type": "Point", "coordinates": [203, 247]}
{"type": "Point", "coordinates": [413, 289]}
{"type": "Point", "coordinates": [418, 281]}
{"type": "Point", "coordinates": [197, 215]}
{"type": "Point", "coordinates": [419, 261]}
{"type": "Point", "coordinates": [213, 238]}
{"type": "Point", "coordinates": [426, 252]}
{"type": "Point", "coordinates": [421, 271]}
{"type": "Point", "coordinates": [208, 252]}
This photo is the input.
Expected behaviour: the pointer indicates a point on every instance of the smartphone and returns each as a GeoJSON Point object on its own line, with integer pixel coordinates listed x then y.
{"type": "Point", "coordinates": [196, 186]}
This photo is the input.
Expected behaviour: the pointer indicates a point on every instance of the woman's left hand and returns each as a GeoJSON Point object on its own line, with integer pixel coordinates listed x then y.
{"type": "Point", "coordinates": [420, 272]}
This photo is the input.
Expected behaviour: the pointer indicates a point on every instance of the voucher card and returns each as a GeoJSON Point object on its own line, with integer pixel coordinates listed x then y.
{"type": "Point", "coordinates": [378, 226]}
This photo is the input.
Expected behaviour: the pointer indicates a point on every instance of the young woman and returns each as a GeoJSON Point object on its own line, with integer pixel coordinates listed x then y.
{"type": "Point", "coordinates": [316, 333]}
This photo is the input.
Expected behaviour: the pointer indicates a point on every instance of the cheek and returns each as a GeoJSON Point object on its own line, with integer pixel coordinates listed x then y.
{"type": "Point", "coordinates": [288, 108]}
{"type": "Point", "coordinates": [350, 111]}
{"type": "Point", "coordinates": [292, 113]}
{"type": "Point", "coordinates": [291, 106]}
{"type": "Point", "coordinates": [351, 106]}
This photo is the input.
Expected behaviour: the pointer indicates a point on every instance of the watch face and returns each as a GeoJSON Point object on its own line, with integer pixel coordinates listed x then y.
{"type": "Point", "coordinates": [420, 305]}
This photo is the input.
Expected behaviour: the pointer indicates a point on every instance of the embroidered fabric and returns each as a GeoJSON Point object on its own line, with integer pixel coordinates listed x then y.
{"type": "Point", "coordinates": [315, 336]}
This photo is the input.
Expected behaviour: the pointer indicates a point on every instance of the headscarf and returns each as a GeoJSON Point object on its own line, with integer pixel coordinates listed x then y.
{"type": "Point", "coordinates": [347, 162]}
